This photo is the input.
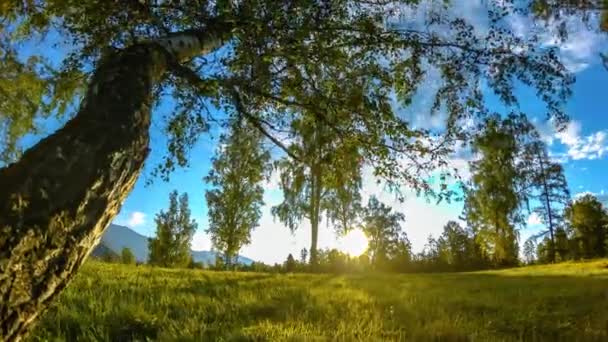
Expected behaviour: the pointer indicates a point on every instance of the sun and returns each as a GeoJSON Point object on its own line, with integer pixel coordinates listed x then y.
{"type": "Point", "coordinates": [353, 243]}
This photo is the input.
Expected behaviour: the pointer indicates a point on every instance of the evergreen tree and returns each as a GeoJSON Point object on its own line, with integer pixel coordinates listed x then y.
{"type": "Point", "coordinates": [551, 189]}
{"type": "Point", "coordinates": [588, 219]}
{"type": "Point", "coordinates": [235, 200]}
{"type": "Point", "coordinates": [543, 250]}
{"type": "Point", "coordinates": [174, 231]}
{"type": "Point", "coordinates": [109, 256]}
{"type": "Point", "coordinates": [220, 263]}
{"type": "Point", "coordinates": [127, 257]}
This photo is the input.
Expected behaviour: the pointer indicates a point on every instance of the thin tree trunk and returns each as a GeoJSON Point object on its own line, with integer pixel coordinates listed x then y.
{"type": "Point", "coordinates": [314, 222]}
{"type": "Point", "coordinates": [316, 190]}
{"type": "Point", "coordinates": [548, 207]}
{"type": "Point", "coordinates": [57, 200]}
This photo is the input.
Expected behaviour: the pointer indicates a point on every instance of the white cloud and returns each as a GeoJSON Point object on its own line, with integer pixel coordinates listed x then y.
{"type": "Point", "coordinates": [462, 167]}
{"type": "Point", "coordinates": [137, 218]}
{"type": "Point", "coordinates": [581, 48]}
{"type": "Point", "coordinates": [571, 134]}
{"type": "Point", "coordinates": [601, 196]}
{"type": "Point", "coordinates": [584, 193]}
{"type": "Point", "coordinates": [534, 220]}
{"type": "Point", "coordinates": [593, 146]}
{"type": "Point", "coordinates": [201, 241]}
{"type": "Point", "coordinates": [579, 51]}
{"type": "Point", "coordinates": [545, 129]}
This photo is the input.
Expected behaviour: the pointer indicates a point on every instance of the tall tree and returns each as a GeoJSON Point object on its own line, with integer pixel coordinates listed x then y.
{"type": "Point", "coordinates": [562, 245]}
{"type": "Point", "coordinates": [382, 226]}
{"type": "Point", "coordinates": [324, 182]}
{"type": "Point", "coordinates": [174, 231]}
{"type": "Point", "coordinates": [530, 251]}
{"type": "Point", "coordinates": [455, 245]}
{"type": "Point", "coordinates": [588, 219]}
{"type": "Point", "coordinates": [497, 189]}
{"type": "Point", "coordinates": [235, 201]}
{"type": "Point", "coordinates": [58, 197]}
{"type": "Point", "coordinates": [551, 189]}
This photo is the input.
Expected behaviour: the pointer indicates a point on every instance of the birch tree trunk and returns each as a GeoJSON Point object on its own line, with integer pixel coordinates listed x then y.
{"type": "Point", "coordinates": [57, 200]}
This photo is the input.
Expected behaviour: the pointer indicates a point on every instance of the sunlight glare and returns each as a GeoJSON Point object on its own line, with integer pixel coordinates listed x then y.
{"type": "Point", "coordinates": [353, 243]}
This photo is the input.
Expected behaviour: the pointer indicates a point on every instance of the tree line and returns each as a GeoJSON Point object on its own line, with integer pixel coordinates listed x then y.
{"type": "Point", "coordinates": [512, 176]}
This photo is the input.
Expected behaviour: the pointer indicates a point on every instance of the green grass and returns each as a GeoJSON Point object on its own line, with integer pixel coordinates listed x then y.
{"type": "Point", "coordinates": [566, 302]}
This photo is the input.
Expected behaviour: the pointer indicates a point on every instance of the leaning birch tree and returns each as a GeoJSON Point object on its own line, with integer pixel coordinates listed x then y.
{"type": "Point", "coordinates": [257, 57]}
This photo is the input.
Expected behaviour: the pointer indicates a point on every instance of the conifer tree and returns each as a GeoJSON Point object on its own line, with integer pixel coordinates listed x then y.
{"type": "Point", "coordinates": [547, 185]}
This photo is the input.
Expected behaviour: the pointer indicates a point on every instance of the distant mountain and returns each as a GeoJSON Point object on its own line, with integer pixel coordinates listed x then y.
{"type": "Point", "coordinates": [116, 237]}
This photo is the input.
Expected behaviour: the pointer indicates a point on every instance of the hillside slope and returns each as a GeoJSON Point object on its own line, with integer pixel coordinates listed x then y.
{"type": "Point", "coordinates": [567, 302]}
{"type": "Point", "coordinates": [118, 237]}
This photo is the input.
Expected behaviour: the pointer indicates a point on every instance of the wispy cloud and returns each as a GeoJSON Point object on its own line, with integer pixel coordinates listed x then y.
{"type": "Point", "coordinates": [601, 196]}
{"type": "Point", "coordinates": [581, 48]}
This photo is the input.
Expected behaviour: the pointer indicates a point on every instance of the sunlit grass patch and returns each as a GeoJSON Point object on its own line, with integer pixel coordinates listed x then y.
{"type": "Point", "coordinates": [110, 302]}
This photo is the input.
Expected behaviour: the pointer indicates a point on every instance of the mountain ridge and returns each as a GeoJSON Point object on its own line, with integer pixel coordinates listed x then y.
{"type": "Point", "coordinates": [117, 237]}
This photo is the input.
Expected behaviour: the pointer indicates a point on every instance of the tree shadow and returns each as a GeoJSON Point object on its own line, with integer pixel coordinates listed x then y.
{"type": "Point", "coordinates": [466, 307]}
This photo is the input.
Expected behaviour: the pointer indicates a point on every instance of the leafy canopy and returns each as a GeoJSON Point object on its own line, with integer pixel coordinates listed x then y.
{"type": "Point", "coordinates": [237, 195]}
{"type": "Point", "coordinates": [174, 231]}
{"type": "Point", "coordinates": [344, 62]}
{"type": "Point", "coordinates": [498, 185]}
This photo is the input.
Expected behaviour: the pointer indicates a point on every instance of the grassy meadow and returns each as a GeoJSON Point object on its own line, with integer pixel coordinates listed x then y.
{"type": "Point", "coordinates": [110, 302]}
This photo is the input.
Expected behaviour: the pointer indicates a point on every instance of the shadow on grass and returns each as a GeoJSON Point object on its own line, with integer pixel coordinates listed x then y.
{"type": "Point", "coordinates": [411, 307]}
{"type": "Point", "coordinates": [464, 307]}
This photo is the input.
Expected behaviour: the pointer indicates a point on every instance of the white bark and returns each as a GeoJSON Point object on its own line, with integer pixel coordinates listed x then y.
{"type": "Point", "coordinates": [186, 45]}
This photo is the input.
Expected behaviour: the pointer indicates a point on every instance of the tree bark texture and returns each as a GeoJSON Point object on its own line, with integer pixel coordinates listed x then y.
{"type": "Point", "coordinates": [57, 200]}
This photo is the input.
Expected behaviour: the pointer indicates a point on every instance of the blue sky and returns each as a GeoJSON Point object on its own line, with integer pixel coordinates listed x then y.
{"type": "Point", "coordinates": [582, 148]}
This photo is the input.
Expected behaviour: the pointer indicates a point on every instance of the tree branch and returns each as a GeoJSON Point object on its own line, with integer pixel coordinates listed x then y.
{"type": "Point", "coordinates": [257, 123]}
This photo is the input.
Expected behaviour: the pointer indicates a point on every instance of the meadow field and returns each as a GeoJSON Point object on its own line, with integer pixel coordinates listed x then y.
{"type": "Point", "coordinates": [111, 302]}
